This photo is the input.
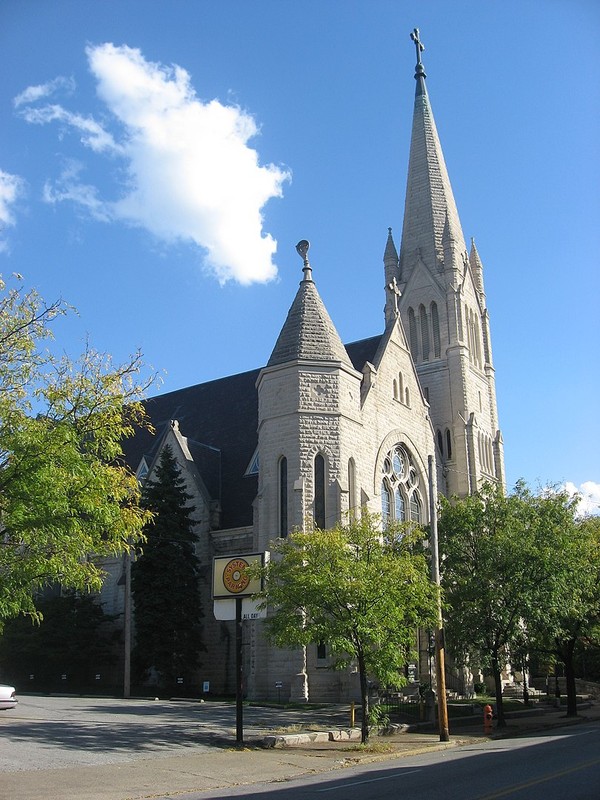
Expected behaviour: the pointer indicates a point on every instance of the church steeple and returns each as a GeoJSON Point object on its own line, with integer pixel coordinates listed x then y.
{"type": "Point", "coordinates": [430, 213]}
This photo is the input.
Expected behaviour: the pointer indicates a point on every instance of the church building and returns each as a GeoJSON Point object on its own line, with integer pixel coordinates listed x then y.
{"type": "Point", "coordinates": [324, 428]}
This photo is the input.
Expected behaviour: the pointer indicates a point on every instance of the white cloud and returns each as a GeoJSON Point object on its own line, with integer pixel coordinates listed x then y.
{"type": "Point", "coordinates": [589, 493]}
{"type": "Point", "coordinates": [33, 94]}
{"type": "Point", "coordinates": [93, 134]}
{"type": "Point", "coordinates": [190, 173]}
{"type": "Point", "coordinates": [11, 188]}
{"type": "Point", "coordinates": [70, 187]}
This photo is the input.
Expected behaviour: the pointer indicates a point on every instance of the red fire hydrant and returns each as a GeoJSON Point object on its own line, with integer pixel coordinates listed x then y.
{"type": "Point", "coordinates": [488, 715]}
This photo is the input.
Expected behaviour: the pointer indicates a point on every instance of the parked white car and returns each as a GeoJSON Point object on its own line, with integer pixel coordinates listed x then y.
{"type": "Point", "coordinates": [7, 697]}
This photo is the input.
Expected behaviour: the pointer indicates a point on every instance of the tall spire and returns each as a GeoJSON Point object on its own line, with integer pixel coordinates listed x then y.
{"type": "Point", "coordinates": [430, 205]}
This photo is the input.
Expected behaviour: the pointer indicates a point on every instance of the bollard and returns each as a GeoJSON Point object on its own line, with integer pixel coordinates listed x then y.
{"type": "Point", "coordinates": [352, 714]}
{"type": "Point", "coordinates": [488, 715]}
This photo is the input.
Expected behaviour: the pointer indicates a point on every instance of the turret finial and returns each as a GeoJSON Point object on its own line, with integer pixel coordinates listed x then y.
{"type": "Point", "coordinates": [302, 250]}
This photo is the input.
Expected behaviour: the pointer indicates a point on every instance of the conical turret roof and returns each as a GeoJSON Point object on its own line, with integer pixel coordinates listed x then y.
{"type": "Point", "coordinates": [308, 333]}
{"type": "Point", "coordinates": [430, 204]}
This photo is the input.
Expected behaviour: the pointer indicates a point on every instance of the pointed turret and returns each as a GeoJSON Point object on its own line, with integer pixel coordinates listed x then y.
{"type": "Point", "coordinates": [308, 333]}
{"type": "Point", "coordinates": [476, 267]}
{"type": "Point", "coordinates": [430, 205]}
{"type": "Point", "coordinates": [392, 292]}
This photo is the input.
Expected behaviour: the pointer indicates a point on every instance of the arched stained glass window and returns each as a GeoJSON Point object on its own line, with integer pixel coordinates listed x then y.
{"type": "Point", "coordinates": [415, 506]}
{"type": "Point", "coordinates": [386, 503]}
{"type": "Point", "coordinates": [399, 491]}
{"type": "Point", "coordinates": [399, 505]}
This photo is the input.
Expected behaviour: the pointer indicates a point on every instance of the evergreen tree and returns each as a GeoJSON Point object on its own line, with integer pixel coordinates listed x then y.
{"type": "Point", "coordinates": [166, 583]}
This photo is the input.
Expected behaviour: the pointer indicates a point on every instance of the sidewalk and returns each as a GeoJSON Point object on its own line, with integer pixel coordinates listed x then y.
{"type": "Point", "coordinates": [225, 766]}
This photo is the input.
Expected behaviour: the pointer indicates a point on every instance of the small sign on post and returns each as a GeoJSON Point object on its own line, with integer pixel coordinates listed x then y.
{"type": "Point", "coordinates": [232, 597]}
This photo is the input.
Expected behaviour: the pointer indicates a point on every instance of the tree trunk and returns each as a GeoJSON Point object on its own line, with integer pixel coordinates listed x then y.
{"type": "Point", "coordinates": [364, 695]}
{"type": "Point", "coordinates": [568, 651]}
{"type": "Point", "coordinates": [496, 671]}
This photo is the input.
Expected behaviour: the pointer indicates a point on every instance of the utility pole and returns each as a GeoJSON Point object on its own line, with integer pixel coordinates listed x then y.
{"type": "Point", "coordinates": [127, 626]}
{"type": "Point", "coordinates": [440, 659]}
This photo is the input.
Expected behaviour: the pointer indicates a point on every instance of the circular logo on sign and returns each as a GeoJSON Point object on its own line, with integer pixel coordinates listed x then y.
{"type": "Point", "coordinates": [234, 575]}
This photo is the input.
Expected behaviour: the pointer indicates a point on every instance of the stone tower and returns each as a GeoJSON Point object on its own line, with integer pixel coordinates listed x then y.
{"type": "Point", "coordinates": [443, 307]}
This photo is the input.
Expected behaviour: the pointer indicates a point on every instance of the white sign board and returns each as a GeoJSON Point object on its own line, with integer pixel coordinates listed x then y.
{"type": "Point", "coordinates": [225, 609]}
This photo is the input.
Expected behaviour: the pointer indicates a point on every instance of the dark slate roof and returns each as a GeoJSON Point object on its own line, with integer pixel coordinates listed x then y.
{"type": "Point", "coordinates": [220, 421]}
{"type": "Point", "coordinates": [362, 351]}
{"type": "Point", "coordinates": [220, 414]}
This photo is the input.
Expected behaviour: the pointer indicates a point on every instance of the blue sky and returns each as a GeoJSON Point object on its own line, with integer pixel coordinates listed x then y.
{"type": "Point", "coordinates": [298, 117]}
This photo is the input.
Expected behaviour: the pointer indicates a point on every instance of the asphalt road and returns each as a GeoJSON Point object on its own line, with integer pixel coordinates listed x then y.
{"type": "Point", "coordinates": [553, 766]}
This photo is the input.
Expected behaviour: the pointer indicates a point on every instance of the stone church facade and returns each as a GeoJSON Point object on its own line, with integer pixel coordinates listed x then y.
{"type": "Point", "coordinates": [325, 428]}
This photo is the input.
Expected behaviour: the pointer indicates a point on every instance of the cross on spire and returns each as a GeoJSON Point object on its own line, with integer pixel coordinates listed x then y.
{"type": "Point", "coordinates": [418, 44]}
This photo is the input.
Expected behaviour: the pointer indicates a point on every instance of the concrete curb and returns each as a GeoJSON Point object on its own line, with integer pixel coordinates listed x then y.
{"type": "Point", "coordinates": [295, 739]}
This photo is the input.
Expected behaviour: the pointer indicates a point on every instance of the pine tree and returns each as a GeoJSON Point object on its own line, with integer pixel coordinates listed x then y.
{"type": "Point", "coordinates": [166, 583]}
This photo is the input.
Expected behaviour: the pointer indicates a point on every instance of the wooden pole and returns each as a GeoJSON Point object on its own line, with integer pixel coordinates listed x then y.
{"type": "Point", "coordinates": [440, 660]}
{"type": "Point", "coordinates": [239, 708]}
{"type": "Point", "coordinates": [127, 627]}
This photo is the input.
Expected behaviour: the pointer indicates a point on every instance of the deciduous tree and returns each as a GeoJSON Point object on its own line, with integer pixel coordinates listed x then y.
{"type": "Point", "coordinates": [361, 591]}
{"type": "Point", "coordinates": [66, 497]}
{"type": "Point", "coordinates": [490, 575]}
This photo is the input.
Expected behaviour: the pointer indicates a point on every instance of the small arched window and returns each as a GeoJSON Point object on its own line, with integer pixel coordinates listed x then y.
{"type": "Point", "coordinates": [319, 491]}
{"type": "Point", "coordinates": [283, 497]}
{"type": "Point", "coordinates": [448, 444]}
{"type": "Point", "coordinates": [395, 384]}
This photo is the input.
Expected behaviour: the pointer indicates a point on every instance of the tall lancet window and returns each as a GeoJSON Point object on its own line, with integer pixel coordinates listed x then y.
{"type": "Point", "coordinates": [352, 487]}
{"type": "Point", "coordinates": [283, 497]}
{"type": "Point", "coordinates": [320, 491]}
{"type": "Point", "coordinates": [412, 331]}
{"type": "Point", "coordinates": [424, 332]}
{"type": "Point", "coordinates": [435, 326]}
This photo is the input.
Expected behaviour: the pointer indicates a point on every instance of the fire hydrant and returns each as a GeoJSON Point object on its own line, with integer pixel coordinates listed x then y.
{"type": "Point", "coordinates": [488, 715]}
